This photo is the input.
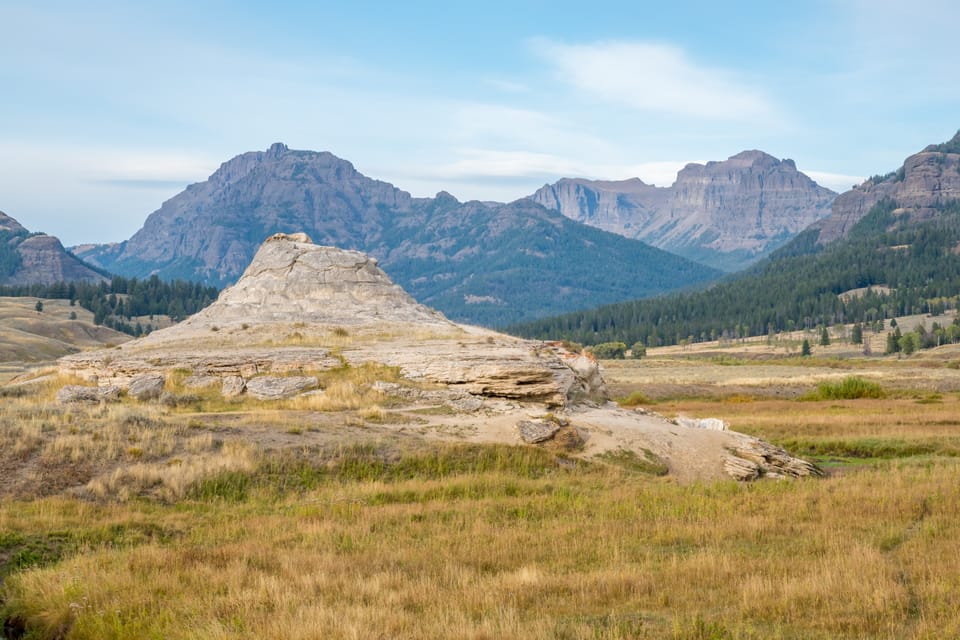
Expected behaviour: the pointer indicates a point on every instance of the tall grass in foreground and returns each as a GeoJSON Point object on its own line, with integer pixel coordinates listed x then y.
{"type": "Point", "coordinates": [499, 542]}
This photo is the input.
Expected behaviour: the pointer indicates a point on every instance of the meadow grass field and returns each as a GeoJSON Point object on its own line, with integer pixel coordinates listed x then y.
{"type": "Point", "coordinates": [199, 533]}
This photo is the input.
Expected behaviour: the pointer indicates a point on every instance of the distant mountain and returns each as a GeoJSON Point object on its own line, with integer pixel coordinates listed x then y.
{"type": "Point", "coordinates": [486, 263]}
{"type": "Point", "coordinates": [724, 214]}
{"type": "Point", "coordinates": [35, 258]}
{"type": "Point", "coordinates": [895, 239]}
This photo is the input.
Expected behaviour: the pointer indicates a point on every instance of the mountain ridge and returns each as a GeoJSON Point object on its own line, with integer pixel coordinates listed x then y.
{"type": "Point", "coordinates": [477, 262]}
{"type": "Point", "coordinates": [726, 214]}
{"type": "Point", "coordinates": [904, 259]}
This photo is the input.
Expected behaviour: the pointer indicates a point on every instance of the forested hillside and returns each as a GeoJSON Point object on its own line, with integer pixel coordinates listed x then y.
{"type": "Point", "coordinates": [797, 287]}
{"type": "Point", "coordinates": [118, 303]}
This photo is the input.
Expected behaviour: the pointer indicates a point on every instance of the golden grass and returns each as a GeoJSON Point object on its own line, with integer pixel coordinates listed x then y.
{"type": "Point", "coordinates": [480, 542]}
{"type": "Point", "coordinates": [489, 555]}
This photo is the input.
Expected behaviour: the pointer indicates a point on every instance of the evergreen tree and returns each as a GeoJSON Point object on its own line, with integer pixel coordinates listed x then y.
{"type": "Point", "coordinates": [824, 337]}
{"type": "Point", "coordinates": [856, 334]}
{"type": "Point", "coordinates": [805, 348]}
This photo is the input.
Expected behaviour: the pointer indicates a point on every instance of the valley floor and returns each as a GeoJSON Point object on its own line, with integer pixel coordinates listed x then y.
{"type": "Point", "coordinates": [343, 528]}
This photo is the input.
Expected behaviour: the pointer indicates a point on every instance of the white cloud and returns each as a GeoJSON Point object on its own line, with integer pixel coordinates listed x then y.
{"type": "Point", "coordinates": [655, 77]}
{"type": "Point", "coordinates": [838, 182]}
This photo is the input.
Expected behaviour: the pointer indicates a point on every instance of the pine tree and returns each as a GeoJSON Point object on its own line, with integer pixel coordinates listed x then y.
{"type": "Point", "coordinates": [824, 337]}
{"type": "Point", "coordinates": [805, 348]}
{"type": "Point", "coordinates": [856, 334]}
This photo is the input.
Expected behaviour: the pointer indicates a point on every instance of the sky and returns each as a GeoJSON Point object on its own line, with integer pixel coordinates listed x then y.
{"type": "Point", "coordinates": [109, 108]}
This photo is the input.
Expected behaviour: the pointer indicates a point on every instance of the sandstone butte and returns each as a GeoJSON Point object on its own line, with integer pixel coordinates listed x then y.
{"type": "Point", "coordinates": [301, 308]}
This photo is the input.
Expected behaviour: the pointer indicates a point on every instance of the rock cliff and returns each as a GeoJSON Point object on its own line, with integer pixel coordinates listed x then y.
{"type": "Point", "coordinates": [725, 214]}
{"type": "Point", "coordinates": [27, 258]}
{"type": "Point", "coordinates": [926, 181]}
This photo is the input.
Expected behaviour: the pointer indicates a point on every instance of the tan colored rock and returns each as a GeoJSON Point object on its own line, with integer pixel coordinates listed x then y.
{"type": "Point", "coordinates": [146, 387]}
{"type": "Point", "coordinates": [78, 393]}
{"type": "Point", "coordinates": [232, 386]}
{"type": "Point", "coordinates": [277, 387]}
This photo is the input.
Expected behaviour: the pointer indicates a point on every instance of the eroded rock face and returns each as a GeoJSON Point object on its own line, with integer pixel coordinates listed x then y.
{"type": "Point", "coordinates": [277, 388]}
{"type": "Point", "coordinates": [292, 280]}
{"type": "Point", "coordinates": [298, 303]}
{"type": "Point", "coordinates": [146, 387]}
{"type": "Point", "coordinates": [926, 181]}
{"type": "Point", "coordinates": [43, 260]}
{"type": "Point", "coordinates": [78, 393]}
{"type": "Point", "coordinates": [724, 214]}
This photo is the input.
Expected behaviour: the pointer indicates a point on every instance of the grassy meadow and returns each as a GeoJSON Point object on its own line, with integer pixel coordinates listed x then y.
{"type": "Point", "coordinates": [291, 521]}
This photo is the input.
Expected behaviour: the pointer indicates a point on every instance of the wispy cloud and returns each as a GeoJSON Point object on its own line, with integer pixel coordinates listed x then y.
{"type": "Point", "coordinates": [655, 77]}
{"type": "Point", "coordinates": [838, 182]}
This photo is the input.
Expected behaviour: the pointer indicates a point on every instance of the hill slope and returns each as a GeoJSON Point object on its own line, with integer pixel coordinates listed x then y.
{"type": "Point", "coordinates": [27, 258]}
{"type": "Point", "coordinates": [725, 214]}
{"type": "Point", "coordinates": [477, 262]}
{"type": "Point", "coordinates": [911, 250]}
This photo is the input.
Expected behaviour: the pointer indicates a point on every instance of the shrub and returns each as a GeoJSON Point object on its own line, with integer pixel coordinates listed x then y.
{"type": "Point", "coordinates": [636, 398]}
{"type": "Point", "coordinates": [609, 350]}
{"type": "Point", "coordinates": [850, 388]}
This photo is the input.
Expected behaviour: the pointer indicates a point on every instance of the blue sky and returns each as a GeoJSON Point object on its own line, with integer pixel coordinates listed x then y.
{"type": "Point", "coordinates": [109, 108]}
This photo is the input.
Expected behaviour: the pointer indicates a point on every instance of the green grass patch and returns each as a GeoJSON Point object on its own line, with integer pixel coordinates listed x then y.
{"type": "Point", "coordinates": [635, 399]}
{"type": "Point", "coordinates": [850, 388]}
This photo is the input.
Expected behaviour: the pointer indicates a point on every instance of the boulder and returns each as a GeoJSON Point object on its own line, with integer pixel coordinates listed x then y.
{"type": "Point", "coordinates": [278, 387]}
{"type": "Point", "coordinates": [146, 387]}
{"type": "Point", "coordinates": [232, 386]}
{"type": "Point", "coordinates": [534, 431]}
{"type": "Point", "coordinates": [77, 393]}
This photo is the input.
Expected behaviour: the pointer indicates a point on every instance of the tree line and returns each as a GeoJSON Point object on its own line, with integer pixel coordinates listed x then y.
{"type": "Point", "coordinates": [798, 287]}
{"type": "Point", "coordinates": [117, 303]}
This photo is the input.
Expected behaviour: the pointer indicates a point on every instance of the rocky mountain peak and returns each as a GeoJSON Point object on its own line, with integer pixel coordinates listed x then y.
{"type": "Point", "coordinates": [276, 150]}
{"type": "Point", "coordinates": [10, 225]}
{"type": "Point", "coordinates": [38, 258]}
{"type": "Point", "coordinates": [926, 181]}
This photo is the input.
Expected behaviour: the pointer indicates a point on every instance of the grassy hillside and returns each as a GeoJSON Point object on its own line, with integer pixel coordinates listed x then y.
{"type": "Point", "coordinates": [28, 335]}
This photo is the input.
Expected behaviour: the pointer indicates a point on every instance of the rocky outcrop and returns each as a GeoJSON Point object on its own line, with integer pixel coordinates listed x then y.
{"type": "Point", "coordinates": [926, 181]}
{"type": "Point", "coordinates": [302, 310]}
{"type": "Point", "coordinates": [39, 259]}
{"type": "Point", "coordinates": [11, 226]}
{"type": "Point", "coordinates": [146, 387]}
{"type": "Point", "coordinates": [725, 214]}
{"type": "Point", "coordinates": [298, 304]}
{"type": "Point", "coordinates": [79, 393]}
{"type": "Point", "coordinates": [479, 262]}
{"type": "Point", "coordinates": [277, 387]}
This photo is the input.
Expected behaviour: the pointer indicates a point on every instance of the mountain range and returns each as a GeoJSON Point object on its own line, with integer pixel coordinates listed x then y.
{"type": "Point", "coordinates": [724, 214]}
{"type": "Point", "coordinates": [892, 241]}
{"type": "Point", "coordinates": [486, 263]}
{"type": "Point", "coordinates": [36, 258]}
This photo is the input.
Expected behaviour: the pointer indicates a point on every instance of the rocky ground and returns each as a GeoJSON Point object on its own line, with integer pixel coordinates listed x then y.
{"type": "Point", "coordinates": [301, 312]}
